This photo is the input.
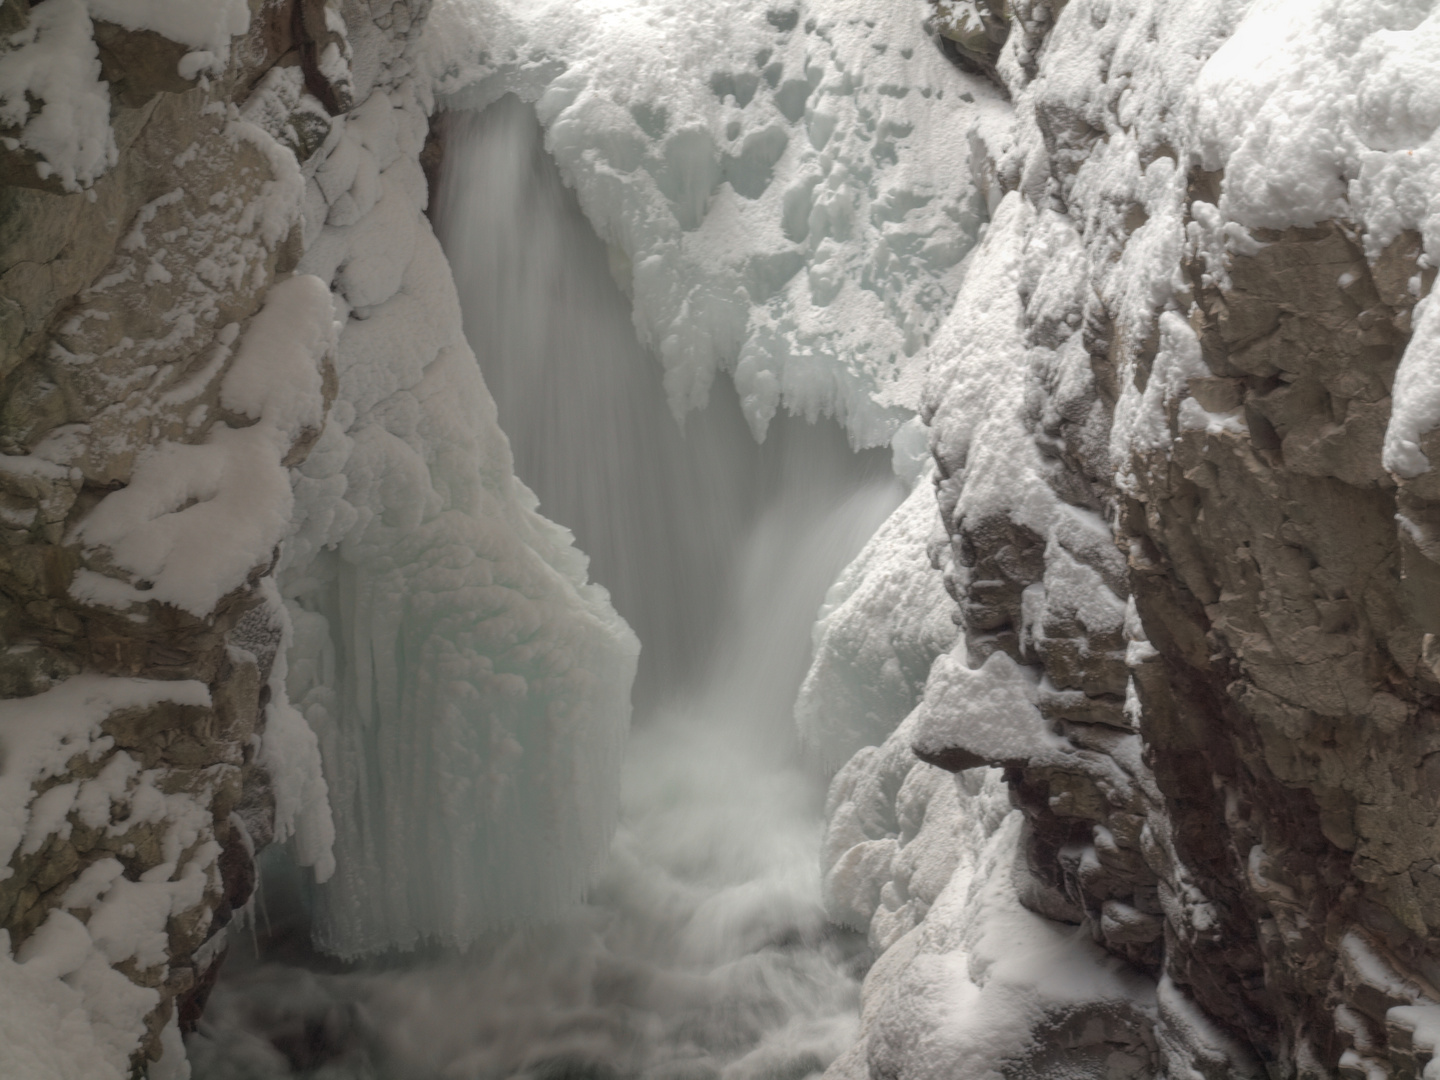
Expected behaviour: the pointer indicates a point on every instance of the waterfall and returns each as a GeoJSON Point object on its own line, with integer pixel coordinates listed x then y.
{"type": "Point", "coordinates": [704, 948]}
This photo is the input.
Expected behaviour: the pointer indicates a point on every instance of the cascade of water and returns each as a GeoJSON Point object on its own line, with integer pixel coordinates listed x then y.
{"type": "Point", "coordinates": [656, 509]}
{"type": "Point", "coordinates": [704, 950]}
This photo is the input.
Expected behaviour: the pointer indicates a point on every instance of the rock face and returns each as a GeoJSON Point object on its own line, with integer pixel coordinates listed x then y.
{"type": "Point", "coordinates": [1290, 698]}
{"type": "Point", "coordinates": [133, 315]}
{"type": "Point", "coordinates": [1227, 777]}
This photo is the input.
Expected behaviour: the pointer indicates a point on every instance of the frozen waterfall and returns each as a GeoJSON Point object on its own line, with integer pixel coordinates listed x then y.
{"type": "Point", "coordinates": [704, 949]}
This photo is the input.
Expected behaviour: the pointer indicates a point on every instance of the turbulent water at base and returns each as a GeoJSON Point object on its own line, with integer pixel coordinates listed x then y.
{"type": "Point", "coordinates": [704, 951]}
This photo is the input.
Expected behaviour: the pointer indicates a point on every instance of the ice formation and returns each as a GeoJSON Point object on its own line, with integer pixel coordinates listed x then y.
{"type": "Point", "coordinates": [470, 690]}
{"type": "Point", "coordinates": [704, 947]}
{"type": "Point", "coordinates": [784, 190]}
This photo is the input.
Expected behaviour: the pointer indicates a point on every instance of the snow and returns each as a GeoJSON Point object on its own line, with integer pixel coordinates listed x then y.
{"type": "Point", "coordinates": [61, 982]}
{"type": "Point", "coordinates": [966, 974]}
{"type": "Point", "coordinates": [882, 623]}
{"type": "Point", "coordinates": [1423, 1021]}
{"type": "Point", "coordinates": [989, 711]}
{"type": "Point", "coordinates": [1312, 111]}
{"type": "Point", "coordinates": [46, 1033]}
{"type": "Point", "coordinates": [206, 26]}
{"type": "Point", "coordinates": [792, 197]}
{"type": "Point", "coordinates": [54, 62]}
{"type": "Point", "coordinates": [976, 391]}
{"type": "Point", "coordinates": [468, 688]}
{"type": "Point", "coordinates": [40, 734]}
{"type": "Point", "coordinates": [787, 193]}
{"type": "Point", "coordinates": [197, 518]}
{"type": "Point", "coordinates": [1319, 111]}
{"type": "Point", "coordinates": [1189, 1034]}
{"type": "Point", "coordinates": [1416, 409]}
{"type": "Point", "coordinates": [896, 831]}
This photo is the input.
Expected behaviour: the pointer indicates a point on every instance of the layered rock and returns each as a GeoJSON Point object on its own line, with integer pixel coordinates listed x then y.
{"type": "Point", "coordinates": [163, 370]}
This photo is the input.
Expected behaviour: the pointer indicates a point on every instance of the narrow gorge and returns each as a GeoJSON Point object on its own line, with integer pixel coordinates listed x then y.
{"type": "Point", "coordinates": [608, 539]}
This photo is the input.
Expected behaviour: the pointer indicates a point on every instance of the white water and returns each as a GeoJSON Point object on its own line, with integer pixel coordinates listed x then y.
{"type": "Point", "coordinates": [704, 950]}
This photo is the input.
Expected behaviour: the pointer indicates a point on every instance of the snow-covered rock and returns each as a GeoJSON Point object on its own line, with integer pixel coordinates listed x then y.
{"type": "Point", "coordinates": [786, 190]}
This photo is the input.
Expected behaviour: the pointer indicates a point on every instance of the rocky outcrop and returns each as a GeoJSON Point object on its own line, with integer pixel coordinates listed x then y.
{"type": "Point", "coordinates": [1230, 786]}
{"type": "Point", "coordinates": [1290, 697]}
{"type": "Point", "coordinates": [131, 302]}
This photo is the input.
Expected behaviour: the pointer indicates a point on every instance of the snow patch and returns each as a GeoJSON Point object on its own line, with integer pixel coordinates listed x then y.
{"type": "Point", "coordinates": [54, 62]}
{"type": "Point", "coordinates": [196, 519]}
{"type": "Point", "coordinates": [66, 1011]}
{"type": "Point", "coordinates": [40, 734]}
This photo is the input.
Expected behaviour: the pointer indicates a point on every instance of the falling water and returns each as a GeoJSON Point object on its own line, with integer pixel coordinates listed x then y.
{"type": "Point", "coordinates": [703, 952]}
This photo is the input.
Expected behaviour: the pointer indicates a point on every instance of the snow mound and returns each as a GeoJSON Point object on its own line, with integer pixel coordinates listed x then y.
{"type": "Point", "coordinates": [883, 622]}
{"type": "Point", "coordinates": [968, 979]}
{"type": "Point", "coordinates": [197, 518]}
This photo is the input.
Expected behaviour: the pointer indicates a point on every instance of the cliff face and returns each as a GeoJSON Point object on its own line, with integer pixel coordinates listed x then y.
{"type": "Point", "coordinates": [161, 370]}
{"type": "Point", "coordinates": [1229, 780]}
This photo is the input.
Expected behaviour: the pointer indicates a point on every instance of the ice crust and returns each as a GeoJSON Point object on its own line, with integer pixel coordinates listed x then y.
{"type": "Point", "coordinates": [786, 192]}
{"type": "Point", "coordinates": [469, 688]}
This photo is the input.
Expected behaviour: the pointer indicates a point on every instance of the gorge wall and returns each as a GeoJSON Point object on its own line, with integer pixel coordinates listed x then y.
{"type": "Point", "coordinates": [1201, 591]}
{"type": "Point", "coordinates": [1181, 415]}
{"type": "Point", "coordinates": [146, 731]}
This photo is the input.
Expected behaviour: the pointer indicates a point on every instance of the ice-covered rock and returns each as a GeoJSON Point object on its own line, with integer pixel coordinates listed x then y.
{"type": "Point", "coordinates": [787, 192]}
{"type": "Point", "coordinates": [1186, 327]}
{"type": "Point", "coordinates": [882, 624]}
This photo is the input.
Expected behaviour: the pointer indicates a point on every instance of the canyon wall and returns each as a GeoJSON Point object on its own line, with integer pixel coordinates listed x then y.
{"type": "Point", "coordinates": [265, 552]}
{"type": "Point", "coordinates": [163, 369]}
{"type": "Point", "coordinates": [1194, 559]}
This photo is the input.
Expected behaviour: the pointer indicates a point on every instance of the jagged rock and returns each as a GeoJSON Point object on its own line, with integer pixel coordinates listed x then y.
{"type": "Point", "coordinates": [1234, 789]}
{"type": "Point", "coordinates": [972, 32]}
{"type": "Point", "coordinates": [119, 307]}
